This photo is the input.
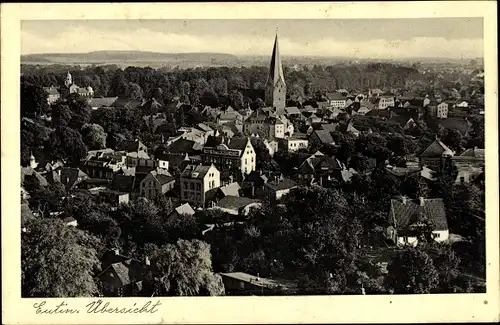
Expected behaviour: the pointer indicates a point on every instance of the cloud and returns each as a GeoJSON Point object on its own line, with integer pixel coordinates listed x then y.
{"type": "Point", "coordinates": [78, 39]}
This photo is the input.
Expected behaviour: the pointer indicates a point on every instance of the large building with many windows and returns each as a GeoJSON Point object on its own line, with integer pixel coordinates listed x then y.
{"type": "Point", "coordinates": [234, 156]}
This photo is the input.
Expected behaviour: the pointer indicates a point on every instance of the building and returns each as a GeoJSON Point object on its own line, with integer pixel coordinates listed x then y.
{"type": "Point", "coordinates": [196, 181]}
{"type": "Point", "coordinates": [319, 168]}
{"type": "Point", "coordinates": [382, 101]}
{"type": "Point", "coordinates": [442, 110]}
{"type": "Point", "coordinates": [124, 276]}
{"type": "Point", "coordinates": [436, 155]}
{"type": "Point", "coordinates": [337, 100]}
{"type": "Point", "coordinates": [294, 143]}
{"type": "Point", "coordinates": [155, 184]}
{"type": "Point", "coordinates": [53, 94]}
{"type": "Point", "coordinates": [407, 216]}
{"type": "Point", "coordinates": [234, 155]}
{"type": "Point", "coordinates": [275, 189]}
{"type": "Point", "coordinates": [236, 205]}
{"type": "Point", "coordinates": [470, 157]}
{"type": "Point", "coordinates": [71, 88]}
{"type": "Point", "coordinates": [275, 93]}
{"type": "Point", "coordinates": [182, 210]}
{"type": "Point", "coordinates": [322, 137]}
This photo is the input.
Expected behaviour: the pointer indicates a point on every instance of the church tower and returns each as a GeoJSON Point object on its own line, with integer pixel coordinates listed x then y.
{"type": "Point", "coordinates": [275, 85]}
{"type": "Point", "coordinates": [69, 80]}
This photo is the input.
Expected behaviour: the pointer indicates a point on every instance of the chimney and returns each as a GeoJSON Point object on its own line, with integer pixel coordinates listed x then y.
{"type": "Point", "coordinates": [422, 201]}
{"type": "Point", "coordinates": [116, 251]}
{"type": "Point", "coordinates": [147, 261]}
{"type": "Point", "coordinates": [258, 277]}
{"type": "Point", "coordinates": [403, 199]}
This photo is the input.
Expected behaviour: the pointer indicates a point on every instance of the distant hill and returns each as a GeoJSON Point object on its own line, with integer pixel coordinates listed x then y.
{"type": "Point", "coordinates": [137, 57]}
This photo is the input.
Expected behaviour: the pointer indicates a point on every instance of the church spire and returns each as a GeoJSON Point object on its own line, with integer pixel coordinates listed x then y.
{"type": "Point", "coordinates": [275, 94]}
{"type": "Point", "coordinates": [275, 68]}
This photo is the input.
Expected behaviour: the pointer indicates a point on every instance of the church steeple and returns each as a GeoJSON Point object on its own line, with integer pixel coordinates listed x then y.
{"type": "Point", "coordinates": [69, 80]}
{"type": "Point", "coordinates": [275, 84]}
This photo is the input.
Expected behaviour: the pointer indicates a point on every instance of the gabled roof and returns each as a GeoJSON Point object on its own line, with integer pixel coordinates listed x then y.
{"type": "Point", "coordinates": [231, 143]}
{"type": "Point", "coordinates": [123, 183]}
{"type": "Point", "coordinates": [292, 110]}
{"type": "Point", "coordinates": [282, 184]}
{"type": "Point", "coordinates": [182, 146]}
{"type": "Point", "coordinates": [437, 149]}
{"type": "Point", "coordinates": [185, 209]}
{"type": "Point", "coordinates": [51, 90]}
{"type": "Point", "coordinates": [473, 153]}
{"type": "Point", "coordinates": [69, 176]}
{"type": "Point", "coordinates": [407, 213]}
{"type": "Point", "coordinates": [324, 136]}
{"type": "Point", "coordinates": [195, 171]}
{"type": "Point", "coordinates": [129, 145]}
{"type": "Point", "coordinates": [336, 96]}
{"type": "Point", "coordinates": [102, 102]}
{"type": "Point", "coordinates": [235, 202]}
{"type": "Point", "coordinates": [231, 189]}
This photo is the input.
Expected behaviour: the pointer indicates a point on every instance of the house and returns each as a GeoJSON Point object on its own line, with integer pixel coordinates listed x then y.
{"type": "Point", "coordinates": [71, 177]}
{"type": "Point", "coordinates": [352, 129]}
{"type": "Point", "coordinates": [274, 190]}
{"type": "Point", "coordinates": [470, 157]}
{"type": "Point", "coordinates": [462, 104]}
{"type": "Point", "coordinates": [229, 116]}
{"type": "Point", "coordinates": [382, 101]}
{"type": "Point", "coordinates": [53, 94]}
{"type": "Point", "coordinates": [319, 168]}
{"type": "Point", "coordinates": [294, 143]}
{"type": "Point", "coordinates": [292, 112]}
{"type": "Point", "coordinates": [133, 147]}
{"type": "Point", "coordinates": [272, 146]}
{"type": "Point", "coordinates": [402, 172]}
{"type": "Point", "coordinates": [239, 283]}
{"type": "Point", "coordinates": [115, 198]}
{"type": "Point", "coordinates": [123, 183]}
{"type": "Point", "coordinates": [124, 276]}
{"type": "Point", "coordinates": [442, 110]}
{"type": "Point", "coordinates": [234, 155]}
{"type": "Point", "coordinates": [236, 205]}
{"type": "Point", "coordinates": [336, 100]}
{"type": "Point", "coordinates": [322, 137]}
{"type": "Point", "coordinates": [406, 216]}
{"type": "Point", "coordinates": [154, 185]}
{"type": "Point", "coordinates": [196, 181]}
{"type": "Point", "coordinates": [468, 174]}
{"type": "Point", "coordinates": [436, 155]}
{"type": "Point", "coordinates": [182, 210]}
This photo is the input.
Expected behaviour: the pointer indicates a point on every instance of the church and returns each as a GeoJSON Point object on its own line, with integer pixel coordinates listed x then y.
{"type": "Point", "coordinates": [71, 88]}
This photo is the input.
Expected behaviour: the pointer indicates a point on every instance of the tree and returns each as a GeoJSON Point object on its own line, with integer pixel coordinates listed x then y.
{"type": "Point", "coordinates": [453, 139]}
{"type": "Point", "coordinates": [412, 271]}
{"type": "Point", "coordinates": [135, 91]}
{"type": "Point", "coordinates": [262, 156]}
{"type": "Point", "coordinates": [67, 144]}
{"type": "Point", "coordinates": [80, 111]}
{"type": "Point", "coordinates": [94, 136]}
{"type": "Point", "coordinates": [57, 261]}
{"type": "Point", "coordinates": [185, 269]}
{"type": "Point", "coordinates": [33, 100]}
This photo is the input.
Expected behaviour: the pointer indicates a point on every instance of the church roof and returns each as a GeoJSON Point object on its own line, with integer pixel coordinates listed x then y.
{"type": "Point", "coordinates": [275, 68]}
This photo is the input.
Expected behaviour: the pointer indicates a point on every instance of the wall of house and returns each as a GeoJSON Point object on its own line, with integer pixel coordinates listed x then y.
{"type": "Point", "coordinates": [412, 241]}
{"type": "Point", "coordinates": [248, 159]}
{"type": "Point", "coordinates": [294, 145]}
{"type": "Point", "coordinates": [441, 235]}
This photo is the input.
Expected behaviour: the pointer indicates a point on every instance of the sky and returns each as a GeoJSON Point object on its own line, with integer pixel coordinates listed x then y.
{"type": "Point", "coordinates": [359, 38]}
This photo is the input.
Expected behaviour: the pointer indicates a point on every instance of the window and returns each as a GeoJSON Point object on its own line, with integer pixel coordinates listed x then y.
{"type": "Point", "coordinates": [198, 187]}
{"type": "Point", "coordinates": [462, 179]}
{"type": "Point", "coordinates": [245, 161]}
{"type": "Point", "coordinates": [191, 186]}
{"type": "Point", "coordinates": [185, 185]}
{"type": "Point", "coordinates": [252, 159]}
{"type": "Point", "coordinates": [185, 194]}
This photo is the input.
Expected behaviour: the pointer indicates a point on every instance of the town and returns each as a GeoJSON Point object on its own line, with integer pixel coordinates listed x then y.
{"type": "Point", "coordinates": [358, 178]}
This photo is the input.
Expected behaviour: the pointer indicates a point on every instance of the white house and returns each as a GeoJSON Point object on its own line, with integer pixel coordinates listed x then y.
{"type": "Point", "coordinates": [196, 180]}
